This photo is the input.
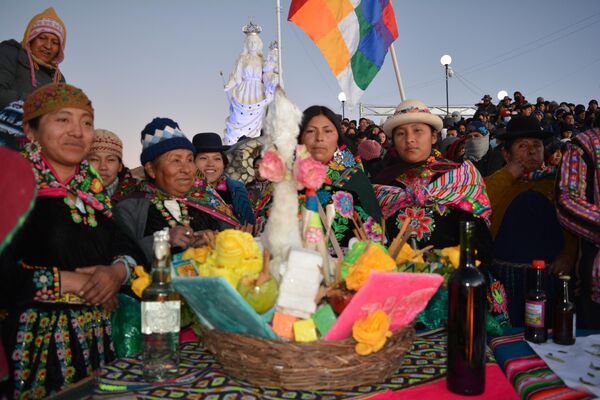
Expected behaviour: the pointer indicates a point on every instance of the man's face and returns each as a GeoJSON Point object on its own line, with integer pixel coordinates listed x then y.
{"type": "Point", "coordinates": [527, 151]}
{"type": "Point", "coordinates": [569, 119]}
{"type": "Point", "coordinates": [526, 112]}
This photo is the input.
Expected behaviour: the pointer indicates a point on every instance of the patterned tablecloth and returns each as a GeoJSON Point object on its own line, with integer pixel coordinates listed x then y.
{"type": "Point", "coordinates": [421, 376]}
{"type": "Point", "coordinates": [528, 373]}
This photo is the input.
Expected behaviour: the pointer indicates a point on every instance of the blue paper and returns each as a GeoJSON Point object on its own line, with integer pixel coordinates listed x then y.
{"type": "Point", "coordinates": [221, 307]}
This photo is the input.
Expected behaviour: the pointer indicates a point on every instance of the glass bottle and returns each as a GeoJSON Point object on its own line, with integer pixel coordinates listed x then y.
{"type": "Point", "coordinates": [467, 312]}
{"type": "Point", "coordinates": [564, 309]}
{"type": "Point", "coordinates": [161, 309]}
{"type": "Point", "coordinates": [535, 304]}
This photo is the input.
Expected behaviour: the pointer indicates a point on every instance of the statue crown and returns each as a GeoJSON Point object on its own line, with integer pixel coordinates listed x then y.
{"type": "Point", "coordinates": [251, 28]}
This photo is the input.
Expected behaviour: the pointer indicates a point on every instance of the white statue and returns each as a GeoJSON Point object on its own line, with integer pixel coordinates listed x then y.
{"type": "Point", "coordinates": [271, 70]}
{"type": "Point", "coordinates": [246, 91]}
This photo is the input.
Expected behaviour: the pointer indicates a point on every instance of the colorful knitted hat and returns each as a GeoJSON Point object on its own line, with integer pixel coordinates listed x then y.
{"type": "Point", "coordinates": [46, 21]}
{"type": "Point", "coordinates": [478, 126]}
{"type": "Point", "coordinates": [160, 136]}
{"type": "Point", "coordinates": [52, 97]}
{"type": "Point", "coordinates": [369, 149]}
{"type": "Point", "coordinates": [108, 142]}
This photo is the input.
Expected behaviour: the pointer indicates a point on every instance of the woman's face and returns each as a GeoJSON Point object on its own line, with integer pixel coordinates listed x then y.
{"type": "Point", "coordinates": [413, 141]}
{"type": "Point", "coordinates": [320, 137]}
{"type": "Point", "coordinates": [45, 47]}
{"type": "Point", "coordinates": [382, 137]}
{"type": "Point", "coordinates": [173, 171]}
{"type": "Point", "coordinates": [211, 165]}
{"type": "Point", "coordinates": [65, 136]}
{"type": "Point", "coordinates": [107, 164]}
{"type": "Point", "coordinates": [555, 158]}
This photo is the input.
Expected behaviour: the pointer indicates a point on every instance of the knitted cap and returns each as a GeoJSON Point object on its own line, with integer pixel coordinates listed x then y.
{"type": "Point", "coordinates": [46, 21]}
{"type": "Point", "coordinates": [369, 149]}
{"type": "Point", "coordinates": [52, 97]}
{"type": "Point", "coordinates": [160, 136]}
{"type": "Point", "coordinates": [108, 142]}
{"type": "Point", "coordinates": [478, 126]}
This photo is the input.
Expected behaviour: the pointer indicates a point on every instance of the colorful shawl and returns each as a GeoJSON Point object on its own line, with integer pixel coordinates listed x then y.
{"type": "Point", "coordinates": [201, 197]}
{"type": "Point", "coordinates": [461, 187]}
{"type": "Point", "coordinates": [85, 184]}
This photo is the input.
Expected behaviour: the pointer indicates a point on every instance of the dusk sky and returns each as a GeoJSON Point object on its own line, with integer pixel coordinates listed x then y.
{"type": "Point", "coordinates": [139, 59]}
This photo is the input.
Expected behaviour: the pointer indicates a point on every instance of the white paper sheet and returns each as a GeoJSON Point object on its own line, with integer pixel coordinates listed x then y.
{"type": "Point", "coordinates": [573, 364]}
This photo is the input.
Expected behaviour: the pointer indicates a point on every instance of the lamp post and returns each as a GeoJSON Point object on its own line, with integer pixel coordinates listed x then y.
{"type": "Point", "coordinates": [446, 60]}
{"type": "Point", "coordinates": [342, 98]}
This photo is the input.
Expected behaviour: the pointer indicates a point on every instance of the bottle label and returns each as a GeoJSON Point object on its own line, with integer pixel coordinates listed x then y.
{"type": "Point", "coordinates": [161, 316]}
{"type": "Point", "coordinates": [535, 313]}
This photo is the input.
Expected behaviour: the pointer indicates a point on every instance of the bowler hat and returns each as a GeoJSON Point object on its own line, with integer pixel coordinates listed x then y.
{"type": "Point", "coordinates": [208, 142]}
{"type": "Point", "coordinates": [520, 126]}
{"type": "Point", "coordinates": [411, 111]}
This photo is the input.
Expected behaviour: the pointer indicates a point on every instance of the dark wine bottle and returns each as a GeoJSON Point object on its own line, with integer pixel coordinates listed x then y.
{"type": "Point", "coordinates": [467, 312]}
{"type": "Point", "coordinates": [535, 304]}
{"type": "Point", "coordinates": [564, 309]}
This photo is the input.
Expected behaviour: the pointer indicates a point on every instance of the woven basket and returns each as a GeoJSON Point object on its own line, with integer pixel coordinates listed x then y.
{"type": "Point", "coordinates": [306, 366]}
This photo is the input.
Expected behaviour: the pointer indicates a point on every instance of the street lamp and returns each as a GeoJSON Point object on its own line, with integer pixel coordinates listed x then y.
{"type": "Point", "coordinates": [342, 98]}
{"type": "Point", "coordinates": [446, 60]}
{"type": "Point", "coordinates": [502, 94]}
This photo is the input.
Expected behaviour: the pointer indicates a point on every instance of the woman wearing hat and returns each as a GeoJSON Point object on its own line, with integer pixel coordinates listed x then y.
{"type": "Point", "coordinates": [524, 222]}
{"type": "Point", "coordinates": [61, 273]}
{"type": "Point", "coordinates": [172, 196]}
{"type": "Point", "coordinates": [106, 156]}
{"type": "Point", "coordinates": [211, 161]}
{"type": "Point", "coordinates": [347, 189]}
{"type": "Point", "coordinates": [432, 193]}
{"type": "Point", "coordinates": [33, 62]}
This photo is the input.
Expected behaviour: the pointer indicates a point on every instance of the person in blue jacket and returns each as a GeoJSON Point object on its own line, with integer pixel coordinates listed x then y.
{"type": "Point", "coordinates": [211, 160]}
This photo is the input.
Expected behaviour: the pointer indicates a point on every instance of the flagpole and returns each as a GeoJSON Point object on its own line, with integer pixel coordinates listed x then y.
{"type": "Point", "coordinates": [397, 71]}
{"type": "Point", "coordinates": [279, 43]}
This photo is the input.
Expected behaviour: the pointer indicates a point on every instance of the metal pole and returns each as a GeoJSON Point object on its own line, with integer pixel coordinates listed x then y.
{"type": "Point", "coordinates": [447, 106]}
{"type": "Point", "coordinates": [397, 72]}
{"type": "Point", "coordinates": [279, 43]}
{"type": "Point", "coordinates": [343, 113]}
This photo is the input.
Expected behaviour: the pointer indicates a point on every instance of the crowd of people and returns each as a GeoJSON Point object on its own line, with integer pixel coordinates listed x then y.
{"type": "Point", "coordinates": [527, 174]}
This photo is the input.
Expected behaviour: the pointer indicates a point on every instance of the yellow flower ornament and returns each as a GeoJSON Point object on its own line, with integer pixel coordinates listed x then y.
{"type": "Point", "coordinates": [371, 333]}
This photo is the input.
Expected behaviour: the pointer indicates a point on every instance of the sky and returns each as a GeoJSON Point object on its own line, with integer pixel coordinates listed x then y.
{"type": "Point", "coordinates": [140, 59]}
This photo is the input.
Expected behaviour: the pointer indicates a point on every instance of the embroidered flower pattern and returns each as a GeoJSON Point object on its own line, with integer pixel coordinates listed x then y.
{"type": "Point", "coordinates": [420, 221]}
{"type": "Point", "coordinates": [314, 235]}
{"type": "Point", "coordinates": [373, 230]}
{"type": "Point", "coordinates": [344, 203]}
{"type": "Point", "coordinates": [496, 295]}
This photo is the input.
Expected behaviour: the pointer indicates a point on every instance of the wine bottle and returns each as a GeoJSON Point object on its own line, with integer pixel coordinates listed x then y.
{"type": "Point", "coordinates": [562, 328]}
{"type": "Point", "coordinates": [161, 310]}
{"type": "Point", "coordinates": [535, 304]}
{"type": "Point", "coordinates": [467, 312]}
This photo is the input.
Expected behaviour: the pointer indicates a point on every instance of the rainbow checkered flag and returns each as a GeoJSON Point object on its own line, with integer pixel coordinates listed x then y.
{"type": "Point", "coordinates": [353, 35]}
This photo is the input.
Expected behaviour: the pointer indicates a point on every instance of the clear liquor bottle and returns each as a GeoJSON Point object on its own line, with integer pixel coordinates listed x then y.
{"type": "Point", "coordinates": [161, 313]}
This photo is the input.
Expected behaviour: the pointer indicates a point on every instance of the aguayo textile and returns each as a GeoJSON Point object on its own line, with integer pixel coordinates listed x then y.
{"type": "Point", "coordinates": [528, 373]}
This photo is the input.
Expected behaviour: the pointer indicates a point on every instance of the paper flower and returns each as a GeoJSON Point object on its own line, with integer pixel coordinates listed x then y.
{"type": "Point", "coordinates": [373, 258]}
{"type": "Point", "coordinates": [308, 172]}
{"type": "Point", "coordinates": [142, 282]}
{"type": "Point", "coordinates": [407, 254]}
{"type": "Point", "coordinates": [344, 203]}
{"type": "Point", "coordinates": [453, 255]}
{"type": "Point", "coordinates": [371, 333]}
{"type": "Point", "coordinates": [272, 166]}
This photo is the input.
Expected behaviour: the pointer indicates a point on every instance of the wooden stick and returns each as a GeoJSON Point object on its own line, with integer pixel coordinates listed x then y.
{"type": "Point", "coordinates": [338, 271]}
{"type": "Point", "coordinates": [392, 249]}
{"type": "Point", "coordinates": [361, 234]}
{"type": "Point", "coordinates": [265, 274]}
{"type": "Point", "coordinates": [334, 242]}
{"type": "Point", "coordinates": [383, 238]}
{"type": "Point", "coordinates": [405, 238]}
{"type": "Point", "coordinates": [362, 228]}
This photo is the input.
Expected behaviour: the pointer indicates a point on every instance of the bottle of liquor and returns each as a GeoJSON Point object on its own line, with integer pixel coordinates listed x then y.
{"type": "Point", "coordinates": [562, 328]}
{"type": "Point", "coordinates": [160, 316]}
{"type": "Point", "coordinates": [467, 312]}
{"type": "Point", "coordinates": [535, 304]}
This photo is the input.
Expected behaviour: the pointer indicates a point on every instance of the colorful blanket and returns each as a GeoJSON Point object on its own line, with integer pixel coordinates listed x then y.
{"type": "Point", "coordinates": [528, 373]}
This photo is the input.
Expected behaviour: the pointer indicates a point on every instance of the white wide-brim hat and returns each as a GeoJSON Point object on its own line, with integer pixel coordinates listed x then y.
{"type": "Point", "coordinates": [409, 112]}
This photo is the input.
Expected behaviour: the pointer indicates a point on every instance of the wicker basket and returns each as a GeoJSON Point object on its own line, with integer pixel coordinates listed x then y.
{"type": "Point", "coordinates": [306, 366]}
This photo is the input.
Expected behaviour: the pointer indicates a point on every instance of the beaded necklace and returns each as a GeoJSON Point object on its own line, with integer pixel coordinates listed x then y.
{"type": "Point", "coordinates": [159, 203]}
{"type": "Point", "coordinates": [85, 185]}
